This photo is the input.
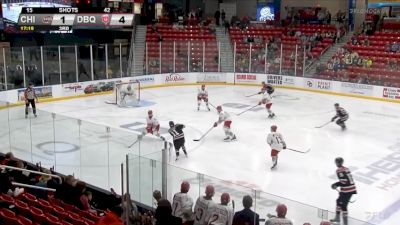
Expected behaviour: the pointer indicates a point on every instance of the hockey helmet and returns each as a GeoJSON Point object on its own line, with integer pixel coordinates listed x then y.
{"type": "Point", "coordinates": [225, 198]}
{"type": "Point", "coordinates": [219, 108]}
{"type": "Point", "coordinates": [171, 123]}
{"type": "Point", "coordinates": [203, 86]}
{"type": "Point", "coordinates": [274, 128]}
{"type": "Point", "coordinates": [281, 210]}
{"type": "Point", "coordinates": [185, 186]}
{"type": "Point", "coordinates": [339, 161]}
{"type": "Point", "coordinates": [210, 190]}
{"type": "Point", "coordinates": [150, 112]}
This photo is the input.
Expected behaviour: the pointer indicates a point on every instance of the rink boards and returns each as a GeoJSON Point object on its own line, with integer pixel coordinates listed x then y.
{"type": "Point", "coordinates": [90, 88]}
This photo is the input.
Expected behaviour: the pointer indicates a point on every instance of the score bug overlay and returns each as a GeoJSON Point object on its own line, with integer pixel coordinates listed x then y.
{"type": "Point", "coordinates": [73, 17]}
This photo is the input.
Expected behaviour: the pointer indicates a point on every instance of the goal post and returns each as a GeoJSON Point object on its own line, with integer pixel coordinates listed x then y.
{"type": "Point", "coordinates": [126, 94]}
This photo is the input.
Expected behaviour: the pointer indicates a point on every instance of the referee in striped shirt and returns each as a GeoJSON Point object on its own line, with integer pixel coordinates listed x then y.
{"type": "Point", "coordinates": [30, 97]}
{"type": "Point", "coordinates": [176, 131]}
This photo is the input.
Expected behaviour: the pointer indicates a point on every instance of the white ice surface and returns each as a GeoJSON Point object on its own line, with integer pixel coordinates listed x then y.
{"type": "Point", "coordinates": [372, 128]}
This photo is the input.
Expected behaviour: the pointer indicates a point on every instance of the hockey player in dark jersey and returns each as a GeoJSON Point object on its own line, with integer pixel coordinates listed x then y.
{"type": "Point", "coordinates": [347, 189]}
{"type": "Point", "coordinates": [176, 131]}
{"type": "Point", "coordinates": [342, 115]}
{"type": "Point", "coordinates": [266, 88]}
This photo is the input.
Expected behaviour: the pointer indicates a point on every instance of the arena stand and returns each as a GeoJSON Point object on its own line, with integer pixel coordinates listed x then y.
{"type": "Point", "coordinates": [366, 59]}
{"type": "Point", "coordinates": [189, 48]}
{"type": "Point", "coordinates": [251, 44]}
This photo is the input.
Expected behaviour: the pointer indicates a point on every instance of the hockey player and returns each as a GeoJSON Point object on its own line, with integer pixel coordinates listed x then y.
{"type": "Point", "coordinates": [153, 127]}
{"type": "Point", "coordinates": [203, 207]}
{"type": "Point", "coordinates": [347, 189]}
{"type": "Point", "coordinates": [280, 218]}
{"type": "Point", "coordinates": [275, 140]}
{"type": "Point", "coordinates": [202, 95]}
{"type": "Point", "coordinates": [176, 131]}
{"type": "Point", "coordinates": [342, 115]}
{"type": "Point", "coordinates": [128, 91]}
{"type": "Point", "coordinates": [225, 117]}
{"type": "Point", "coordinates": [30, 97]}
{"type": "Point", "coordinates": [182, 204]}
{"type": "Point", "coordinates": [266, 88]}
{"type": "Point", "coordinates": [222, 214]}
{"type": "Point", "coordinates": [267, 100]}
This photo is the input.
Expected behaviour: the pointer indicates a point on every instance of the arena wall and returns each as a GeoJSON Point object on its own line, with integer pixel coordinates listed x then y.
{"type": "Point", "coordinates": [82, 89]}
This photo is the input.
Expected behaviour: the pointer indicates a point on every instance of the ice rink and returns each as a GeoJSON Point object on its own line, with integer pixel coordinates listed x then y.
{"type": "Point", "coordinates": [370, 146]}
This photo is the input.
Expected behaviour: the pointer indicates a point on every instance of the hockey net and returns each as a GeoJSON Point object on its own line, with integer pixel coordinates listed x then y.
{"type": "Point", "coordinates": [127, 93]}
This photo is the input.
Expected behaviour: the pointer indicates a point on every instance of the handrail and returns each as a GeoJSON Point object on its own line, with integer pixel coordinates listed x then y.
{"type": "Point", "coordinates": [33, 186]}
{"type": "Point", "coordinates": [31, 171]}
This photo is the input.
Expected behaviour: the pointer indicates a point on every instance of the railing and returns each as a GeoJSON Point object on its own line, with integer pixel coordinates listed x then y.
{"type": "Point", "coordinates": [145, 175]}
{"type": "Point", "coordinates": [49, 65]}
{"type": "Point", "coordinates": [90, 151]}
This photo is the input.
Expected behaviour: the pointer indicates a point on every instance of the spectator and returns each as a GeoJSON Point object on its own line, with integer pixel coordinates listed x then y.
{"type": "Point", "coordinates": [183, 203]}
{"type": "Point", "coordinates": [222, 213]}
{"type": "Point", "coordinates": [279, 219]}
{"type": "Point", "coordinates": [328, 17]}
{"type": "Point", "coordinates": [157, 196]}
{"type": "Point", "coordinates": [366, 41]}
{"type": "Point", "coordinates": [321, 17]}
{"type": "Point", "coordinates": [369, 63]}
{"type": "Point", "coordinates": [130, 210]}
{"type": "Point", "coordinates": [163, 214]}
{"type": "Point", "coordinates": [217, 16]}
{"type": "Point", "coordinates": [246, 216]}
{"type": "Point", "coordinates": [85, 199]}
{"type": "Point", "coordinates": [223, 16]}
{"type": "Point", "coordinates": [394, 47]}
{"type": "Point", "coordinates": [340, 17]}
{"type": "Point", "coordinates": [318, 37]}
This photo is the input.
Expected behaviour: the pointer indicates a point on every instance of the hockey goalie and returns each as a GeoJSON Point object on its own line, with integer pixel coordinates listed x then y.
{"type": "Point", "coordinates": [126, 95]}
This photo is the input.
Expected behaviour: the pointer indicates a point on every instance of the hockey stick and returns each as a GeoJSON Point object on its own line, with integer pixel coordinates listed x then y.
{"type": "Point", "coordinates": [247, 110]}
{"type": "Point", "coordinates": [212, 105]}
{"type": "Point", "coordinates": [204, 134]}
{"type": "Point", "coordinates": [233, 205]}
{"type": "Point", "coordinates": [291, 149]}
{"type": "Point", "coordinates": [323, 124]}
{"type": "Point", "coordinates": [250, 95]}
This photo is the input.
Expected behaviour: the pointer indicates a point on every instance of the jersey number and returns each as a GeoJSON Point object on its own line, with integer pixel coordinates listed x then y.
{"type": "Point", "coordinates": [278, 140]}
{"type": "Point", "coordinates": [199, 214]}
{"type": "Point", "coordinates": [213, 219]}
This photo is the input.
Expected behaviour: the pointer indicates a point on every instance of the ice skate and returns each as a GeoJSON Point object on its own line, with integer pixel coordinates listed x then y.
{"type": "Point", "coordinates": [227, 139]}
{"type": "Point", "coordinates": [234, 138]}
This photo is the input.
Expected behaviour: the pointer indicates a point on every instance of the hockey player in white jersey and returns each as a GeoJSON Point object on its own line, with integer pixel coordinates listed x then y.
{"type": "Point", "coordinates": [153, 127]}
{"type": "Point", "coordinates": [267, 100]}
{"type": "Point", "coordinates": [182, 204]}
{"type": "Point", "coordinates": [222, 214]}
{"type": "Point", "coordinates": [127, 91]}
{"type": "Point", "coordinates": [277, 143]}
{"type": "Point", "coordinates": [280, 218]}
{"type": "Point", "coordinates": [225, 117]}
{"type": "Point", "coordinates": [203, 207]}
{"type": "Point", "coordinates": [202, 95]}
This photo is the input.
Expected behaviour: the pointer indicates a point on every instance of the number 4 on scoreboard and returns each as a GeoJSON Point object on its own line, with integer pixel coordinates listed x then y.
{"type": "Point", "coordinates": [121, 19]}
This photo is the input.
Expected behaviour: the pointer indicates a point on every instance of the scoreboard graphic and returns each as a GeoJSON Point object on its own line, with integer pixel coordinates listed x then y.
{"type": "Point", "coordinates": [68, 18]}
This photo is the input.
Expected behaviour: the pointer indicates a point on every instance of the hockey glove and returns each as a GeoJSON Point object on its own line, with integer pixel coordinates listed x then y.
{"type": "Point", "coordinates": [333, 119]}
{"type": "Point", "coordinates": [334, 186]}
{"type": "Point", "coordinates": [284, 145]}
{"type": "Point", "coordinates": [215, 124]}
